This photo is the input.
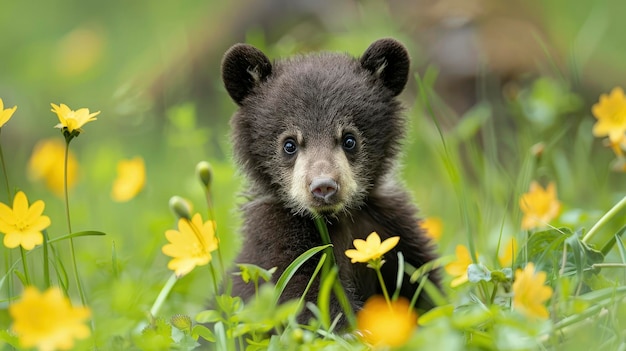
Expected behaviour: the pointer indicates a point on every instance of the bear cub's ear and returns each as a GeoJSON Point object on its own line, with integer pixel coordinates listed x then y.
{"type": "Point", "coordinates": [243, 68]}
{"type": "Point", "coordinates": [389, 60]}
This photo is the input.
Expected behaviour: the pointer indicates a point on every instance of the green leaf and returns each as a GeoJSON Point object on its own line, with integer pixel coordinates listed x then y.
{"type": "Point", "coordinates": [77, 234]}
{"type": "Point", "coordinates": [230, 306]}
{"type": "Point", "coordinates": [251, 272]}
{"type": "Point", "coordinates": [156, 336]}
{"type": "Point", "coordinates": [544, 247]}
{"type": "Point", "coordinates": [323, 298]}
{"type": "Point", "coordinates": [400, 276]}
{"type": "Point", "coordinates": [9, 338]}
{"type": "Point", "coordinates": [440, 312]}
{"type": "Point", "coordinates": [609, 245]}
{"type": "Point", "coordinates": [202, 331]}
{"type": "Point", "coordinates": [582, 255]}
{"type": "Point", "coordinates": [20, 276]}
{"type": "Point", "coordinates": [260, 315]}
{"type": "Point", "coordinates": [209, 316]}
{"type": "Point", "coordinates": [293, 267]}
{"type": "Point", "coordinates": [622, 249]}
{"type": "Point", "coordinates": [473, 316]}
{"type": "Point", "coordinates": [344, 302]}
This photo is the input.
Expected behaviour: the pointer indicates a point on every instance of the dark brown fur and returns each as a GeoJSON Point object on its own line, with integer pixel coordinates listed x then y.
{"type": "Point", "coordinates": [321, 98]}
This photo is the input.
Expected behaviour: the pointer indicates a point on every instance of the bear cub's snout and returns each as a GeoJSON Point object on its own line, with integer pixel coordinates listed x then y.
{"type": "Point", "coordinates": [324, 188]}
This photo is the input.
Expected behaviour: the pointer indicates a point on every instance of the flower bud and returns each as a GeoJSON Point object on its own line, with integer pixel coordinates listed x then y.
{"type": "Point", "coordinates": [205, 173]}
{"type": "Point", "coordinates": [180, 207]}
{"type": "Point", "coordinates": [181, 322]}
{"type": "Point", "coordinates": [538, 149]}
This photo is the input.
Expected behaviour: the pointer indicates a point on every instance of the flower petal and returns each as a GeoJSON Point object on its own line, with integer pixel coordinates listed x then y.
{"type": "Point", "coordinates": [30, 239]}
{"type": "Point", "coordinates": [35, 210]}
{"type": "Point", "coordinates": [40, 224]}
{"type": "Point", "coordinates": [6, 216]}
{"type": "Point", "coordinates": [20, 205]}
{"type": "Point", "coordinates": [12, 240]}
{"type": "Point", "coordinates": [388, 244]}
{"type": "Point", "coordinates": [373, 240]}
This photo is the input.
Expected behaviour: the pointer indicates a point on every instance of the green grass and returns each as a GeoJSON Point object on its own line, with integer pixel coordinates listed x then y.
{"type": "Point", "coordinates": [471, 175]}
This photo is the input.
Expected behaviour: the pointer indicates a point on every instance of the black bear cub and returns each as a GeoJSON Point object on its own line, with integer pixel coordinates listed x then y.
{"type": "Point", "coordinates": [319, 135]}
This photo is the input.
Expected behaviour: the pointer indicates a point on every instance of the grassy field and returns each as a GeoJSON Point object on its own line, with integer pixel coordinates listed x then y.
{"type": "Point", "coordinates": [536, 156]}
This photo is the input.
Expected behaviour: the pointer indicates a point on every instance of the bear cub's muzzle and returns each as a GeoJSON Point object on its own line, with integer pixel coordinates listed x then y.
{"type": "Point", "coordinates": [323, 188]}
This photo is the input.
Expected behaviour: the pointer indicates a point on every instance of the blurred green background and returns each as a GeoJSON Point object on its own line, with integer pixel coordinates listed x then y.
{"type": "Point", "coordinates": [153, 70]}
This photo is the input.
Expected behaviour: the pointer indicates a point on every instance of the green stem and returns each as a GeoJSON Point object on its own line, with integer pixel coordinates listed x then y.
{"type": "Point", "coordinates": [25, 265]}
{"type": "Point", "coordinates": [323, 230]}
{"type": "Point", "coordinates": [165, 291]}
{"type": "Point", "coordinates": [69, 225]}
{"type": "Point", "coordinates": [6, 175]}
{"type": "Point", "coordinates": [328, 266]}
{"type": "Point", "coordinates": [494, 293]}
{"type": "Point", "coordinates": [9, 274]}
{"type": "Point", "coordinates": [7, 257]}
{"type": "Point", "coordinates": [607, 216]}
{"type": "Point", "coordinates": [608, 265]}
{"type": "Point", "coordinates": [46, 264]}
{"type": "Point", "coordinates": [214, 279]}
{"type": "Point", "coordinates": [382, 285]}
{"type": "Point", "coordinates": [211, 211]}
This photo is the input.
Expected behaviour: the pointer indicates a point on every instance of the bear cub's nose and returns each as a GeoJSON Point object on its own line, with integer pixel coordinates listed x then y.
{"type": "Point", "coordinates": [323, 188]}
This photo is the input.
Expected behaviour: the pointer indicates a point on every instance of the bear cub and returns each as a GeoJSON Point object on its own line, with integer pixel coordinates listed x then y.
{"type": "Point", "coordinates": [319, 135]}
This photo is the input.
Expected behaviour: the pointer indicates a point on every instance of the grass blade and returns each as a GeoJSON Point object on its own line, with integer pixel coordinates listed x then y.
{"type": "Point", "coordinates": [294, 266]}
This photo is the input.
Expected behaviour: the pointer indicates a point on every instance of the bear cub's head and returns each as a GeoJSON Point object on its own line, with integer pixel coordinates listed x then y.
{"type": "Point", "coordinates": [317, 132]}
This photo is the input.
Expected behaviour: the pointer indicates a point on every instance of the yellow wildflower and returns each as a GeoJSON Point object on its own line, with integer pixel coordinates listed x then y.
{"type": "Point", "coordinates": [530, 293]}
{"type": "Point", "coordinates": [46, 163]}
{"type": "Point", "coordinates": [507, 256]}
{"type": "Point", "coordinates": [458, 268]}
{"type": "Point", "coordinates": [386, 325]}
{"type": "Point", "coordinates": [433, 227]}
{"type": "Point", "coordinates": [191, 245]}
{"type": "Point", "coordinates": [131, 178]}
{"type": "Point", "coordinates": [73, 120]}
{"type": "Point", "coordinates": [371, 248]}
{"type": "Point", "coordinates": [539, 205]}
{"type": "Point", "coordinates": [5, 114]}
{"type": "Point", "coordinates": [611, 114]}
{"type": "Point", "coordinates": [22, 224]}
{"type": "Point", "coordinates": [47, 320]}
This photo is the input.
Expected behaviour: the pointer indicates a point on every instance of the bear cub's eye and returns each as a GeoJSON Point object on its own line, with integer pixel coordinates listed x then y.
{"type": "Point", "coordinates": [290, 147]}
{"type": "Point", "coordinates": [349, 142]}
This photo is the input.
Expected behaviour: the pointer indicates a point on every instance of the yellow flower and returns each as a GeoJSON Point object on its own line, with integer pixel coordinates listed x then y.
{"type": "Point", "coordinates": [458, 268]}
{"type": "Point", "coordinates": [530, 293]}
{"type": "Point", "coordinates": [539, 205]}
{"type": "Point", "coordinates": [508, 253]}
{"type": "Point", "coordinates": [48, 321]}
{"type": "Point", "coordinates": [131, 178]}
{"type": "Point", "coordinates": [611, 114]}
{"type": "Point", "coordinates": [371, 248]}
{"type": "Point", "coordinates": [433, 227]}
{"type": "Point", "coordinates": [22, 224]}
{"type": "Point", "coordinates": [73, 120]}
{"type": "Point", "coordinates": [191, 245]}
{"type": "Point", "coordinates": [46, 163]}
{"type": "Point", "coordinates": [384, 325]}
{"type": "Point", "coordinates": [5, 114]}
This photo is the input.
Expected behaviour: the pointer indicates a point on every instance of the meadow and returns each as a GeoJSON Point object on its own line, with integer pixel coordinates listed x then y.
{"type": "Point", "coordinates": [115, 145]}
